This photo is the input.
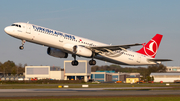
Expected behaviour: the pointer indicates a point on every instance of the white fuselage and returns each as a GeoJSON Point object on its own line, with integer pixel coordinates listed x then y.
{"type": "Point", "coordinates": [56, 39]}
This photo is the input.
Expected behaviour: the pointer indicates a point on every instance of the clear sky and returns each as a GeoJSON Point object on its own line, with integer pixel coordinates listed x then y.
{"type": "Point", "coordinates": [115, 22]}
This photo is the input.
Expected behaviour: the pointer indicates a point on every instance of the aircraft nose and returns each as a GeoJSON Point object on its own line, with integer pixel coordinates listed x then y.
{"type": "Point", "coordinates": [7, 30]}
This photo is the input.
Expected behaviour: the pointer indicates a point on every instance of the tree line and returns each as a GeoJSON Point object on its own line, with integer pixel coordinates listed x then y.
{"type": "Point", "coordinates": [9, 67]}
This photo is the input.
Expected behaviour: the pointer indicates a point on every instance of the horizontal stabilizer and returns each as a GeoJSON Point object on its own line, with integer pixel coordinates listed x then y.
{"type": "Point", "coordinates": [159, 60]}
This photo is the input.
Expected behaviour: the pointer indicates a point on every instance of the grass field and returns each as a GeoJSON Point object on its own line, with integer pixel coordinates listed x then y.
{"type": "Point", "coordinates": [126, 98]}
{"type": "Point", "coordinates": [103, 98]}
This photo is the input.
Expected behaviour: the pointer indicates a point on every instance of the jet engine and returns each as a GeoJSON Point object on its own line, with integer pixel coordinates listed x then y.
{"type": "Point", "coordinates": [82, 51]}
{"type": "Point", "coordinates": [56, 53]}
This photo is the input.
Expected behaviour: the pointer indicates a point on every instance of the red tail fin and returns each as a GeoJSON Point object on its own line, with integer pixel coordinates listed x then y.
{"type": "Point", "coordinates": [150, 49]}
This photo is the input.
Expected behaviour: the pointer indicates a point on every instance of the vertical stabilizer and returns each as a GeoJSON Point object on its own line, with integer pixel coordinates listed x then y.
{"type": "Point", "coordinates": [150, 49]}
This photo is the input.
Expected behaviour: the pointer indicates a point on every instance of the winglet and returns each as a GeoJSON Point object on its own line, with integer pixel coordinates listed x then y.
{"type": "Point", "coordinates": [150, 49]}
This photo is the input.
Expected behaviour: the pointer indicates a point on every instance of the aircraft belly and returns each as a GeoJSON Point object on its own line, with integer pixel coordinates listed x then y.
{"type": "Point", "coordinates": [110, 60]}
{"type": "Point", "coordinates": [115, 60]}
{"type": "Point", "coordinates": [122, 60]}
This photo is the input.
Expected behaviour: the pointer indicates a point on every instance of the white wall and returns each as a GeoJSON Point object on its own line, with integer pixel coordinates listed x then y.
{"type": "Point", "coordinates": [35, 71]}
{"type": "Point", "coordinates": [82, 69]}
{"type": "Point", "coordinates": [42, 72]}
{"type": "Point", "coordinates": [58, 75]}
{"type": "Point", "coordinates": [165, 79]}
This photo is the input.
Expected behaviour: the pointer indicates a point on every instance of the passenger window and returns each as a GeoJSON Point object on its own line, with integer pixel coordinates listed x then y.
{"type": "Point", "coordinates": [20, 26]}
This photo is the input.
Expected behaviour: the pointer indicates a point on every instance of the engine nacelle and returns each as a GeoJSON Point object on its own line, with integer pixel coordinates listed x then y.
{"type": "Point", "coordinates": [83, 51]}
{"type": "Point", "coordinates": [78, 50]}
{"type": "Point", "coordinates": [56, 53]}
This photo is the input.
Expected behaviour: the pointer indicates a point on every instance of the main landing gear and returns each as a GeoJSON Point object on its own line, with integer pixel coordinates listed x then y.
{"type": "Point", "coordinates": [92, 62]}
{"type": "Point", "coordinates": [22, 47]}
{"type": "Point", "coordinates": [75, 62]}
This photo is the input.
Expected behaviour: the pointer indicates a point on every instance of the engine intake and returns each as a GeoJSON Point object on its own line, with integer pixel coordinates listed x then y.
{"type": "Point", "coordinates": [56, 53]}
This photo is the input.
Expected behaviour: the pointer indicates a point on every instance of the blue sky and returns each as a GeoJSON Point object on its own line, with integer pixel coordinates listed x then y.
{"type": "Point", "coordinates": [115, 22]}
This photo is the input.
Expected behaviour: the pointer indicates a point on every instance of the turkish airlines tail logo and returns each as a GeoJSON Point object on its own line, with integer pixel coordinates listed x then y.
{"type": "Point", "coordinates": [150, 49]}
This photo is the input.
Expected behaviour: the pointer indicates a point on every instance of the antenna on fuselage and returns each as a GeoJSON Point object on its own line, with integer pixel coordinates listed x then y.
{"type": "Point", "coordinates": [28, 22]}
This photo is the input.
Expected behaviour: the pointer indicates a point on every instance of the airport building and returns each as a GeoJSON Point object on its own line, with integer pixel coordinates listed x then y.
{"type": "Point", "coordinates": [80, 72]}
{"type": "Point", "coordinates": [44, 72]}
{"type": "Point", "coordinates": [101, 76]}
{"type": "Point", "coordinates": [173, 69]}
{"type": "Point", "coordinates": [132, 80]}
{"type": "Point", "coordinates": [165, 77]}
{"type": "Point", "coordinates": [172, 73]}
{"type": "Point", "coordinates": [122, 76]}
{"type": "Point", "coordinates": [105, 76]}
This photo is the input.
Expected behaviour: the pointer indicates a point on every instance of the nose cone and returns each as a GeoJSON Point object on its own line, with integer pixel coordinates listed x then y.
{"type": "Point", "coordinates": [7, 30]}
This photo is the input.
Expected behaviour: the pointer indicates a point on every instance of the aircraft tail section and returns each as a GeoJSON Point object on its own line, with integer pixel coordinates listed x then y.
{"type": "Point", "coordinates": [150, 49]}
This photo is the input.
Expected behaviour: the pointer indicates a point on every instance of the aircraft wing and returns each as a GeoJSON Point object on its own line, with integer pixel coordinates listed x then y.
{"type": "Point", "coordinates": [112, 48]}
{"type": "Point", "coordinates": [159, 60]}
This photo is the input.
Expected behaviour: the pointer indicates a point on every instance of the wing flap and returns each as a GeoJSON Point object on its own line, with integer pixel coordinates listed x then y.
{"type": "Point", "coordinates": [113, 48]}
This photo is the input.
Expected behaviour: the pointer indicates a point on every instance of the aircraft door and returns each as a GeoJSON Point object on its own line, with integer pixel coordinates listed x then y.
{"type": "Point", "coordinates": [28, 28]}
{"type": "Point", "coordinates": [139, 58]}
{"type": "Point", "coordinates": [61, 38]}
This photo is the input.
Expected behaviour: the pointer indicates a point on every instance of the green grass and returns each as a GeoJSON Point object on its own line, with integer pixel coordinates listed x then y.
{"type": "Point", "coordinates": [103, 98]}
{"type": "Point", "coordinates": [150, 98]}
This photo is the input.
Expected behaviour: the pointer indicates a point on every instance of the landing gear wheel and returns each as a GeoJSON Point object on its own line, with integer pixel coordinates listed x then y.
{"type": "Point", "coordinates": [92, 62]}
{"type": "Point", "coordinates": [21, 47]}
{"type": "Point", "coordinates": [75, 63]}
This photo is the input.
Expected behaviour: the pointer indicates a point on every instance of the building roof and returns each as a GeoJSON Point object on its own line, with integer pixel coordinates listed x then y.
{"type": "Point", "coordinates": [165, 73]}
{"type": "Point", "coordinates": [173, 67]}
{"type": "Point", "coordinates": [107, 71]}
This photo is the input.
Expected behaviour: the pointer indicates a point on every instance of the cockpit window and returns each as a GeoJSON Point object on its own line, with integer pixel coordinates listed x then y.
{"type": "Point", "coordinates": [16, 25]}
{"type": "Point", "coordinates": [13, 25]}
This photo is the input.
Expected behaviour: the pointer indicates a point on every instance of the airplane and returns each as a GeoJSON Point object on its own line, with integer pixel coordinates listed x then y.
{"type": "Point", "coordinates": [61, 44]}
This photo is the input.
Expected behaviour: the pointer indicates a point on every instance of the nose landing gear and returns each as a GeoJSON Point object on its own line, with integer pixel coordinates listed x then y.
{"type": "Point", "coordinates": [22, 47]}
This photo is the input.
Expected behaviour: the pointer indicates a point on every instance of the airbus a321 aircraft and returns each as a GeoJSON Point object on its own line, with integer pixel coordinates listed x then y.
{"type": "Point", "coordinates": [61, 44]}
